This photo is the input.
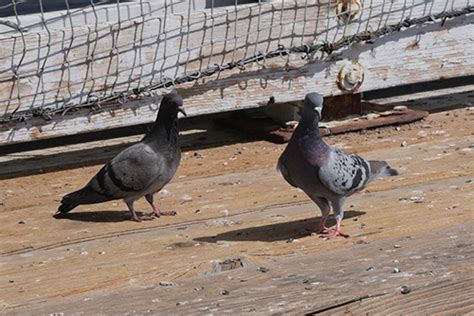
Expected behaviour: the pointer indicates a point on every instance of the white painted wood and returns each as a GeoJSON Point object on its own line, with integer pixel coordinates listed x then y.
{"type": "Point", "coordinates": [81, 12]}
{"type": "Point", "coordinates": [419, 54]}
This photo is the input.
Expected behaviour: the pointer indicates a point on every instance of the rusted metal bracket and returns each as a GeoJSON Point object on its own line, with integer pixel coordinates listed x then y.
{"type": "Point", "coordinates": [269, 129]}
{"type": "Point", "coordinates": [338, 107]}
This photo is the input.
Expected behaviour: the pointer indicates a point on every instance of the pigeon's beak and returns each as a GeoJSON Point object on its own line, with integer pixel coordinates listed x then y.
{"type": "Point", "coordinates": [181, 109]}
{"type": "Point", "coordinates": [319, 110]}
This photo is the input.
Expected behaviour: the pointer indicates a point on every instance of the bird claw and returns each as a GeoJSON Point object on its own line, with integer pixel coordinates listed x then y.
{"type": "Point", "coordinates": [336, 233]}
{"type": "Point", "coordinates": [144, 218]}
{"type": "Point", "coordinates": [168, 213]}
{"type": "Point", "coordinates": [136, 219]}
{"type": "Point", "coordinates": [161, 213]}
{"type": "Point", "coordinates": [151, 216]}
{"type": "Point", "coordinates": [319, 231]}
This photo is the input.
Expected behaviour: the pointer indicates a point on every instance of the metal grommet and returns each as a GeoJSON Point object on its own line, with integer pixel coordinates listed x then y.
{"type": "Point", "coordinates": [350, 76]}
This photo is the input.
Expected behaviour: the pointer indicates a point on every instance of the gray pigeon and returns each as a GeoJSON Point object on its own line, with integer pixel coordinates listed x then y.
{"type": "Point", "coordinates": [139, 170]}
{"type": "Point", "coordinates": [326, 174]}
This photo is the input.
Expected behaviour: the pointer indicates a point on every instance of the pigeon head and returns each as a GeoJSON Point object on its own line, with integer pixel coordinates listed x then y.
{"type": "Point", "coordinates": [171, 104]}
{"type": "Point", "coordinates": [312, 106]}
{"type": "Point", "coordinates": [381, 169]}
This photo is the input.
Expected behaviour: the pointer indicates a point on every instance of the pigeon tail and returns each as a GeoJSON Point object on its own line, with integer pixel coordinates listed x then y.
{"type": "Point", "coordinates": [70, 201]}
{"type": "Point", "coordinates": [380, 169]}
{"type": "Point", "coordinates": [86, 195]}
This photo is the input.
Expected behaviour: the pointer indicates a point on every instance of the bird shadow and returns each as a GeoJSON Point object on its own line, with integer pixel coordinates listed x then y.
{"type": "Point", "coordinates": [97, 216]}
{"type": "Point", "coordinates": [275, 232]}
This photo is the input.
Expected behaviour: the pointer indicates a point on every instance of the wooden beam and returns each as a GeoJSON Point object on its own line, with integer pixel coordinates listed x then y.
{"type": "Point", "coordinates": [360, 278]}
{"type": "Point", "coordinates": [159, 47]}
{"type": "Point", "coordinates": [241, 207]}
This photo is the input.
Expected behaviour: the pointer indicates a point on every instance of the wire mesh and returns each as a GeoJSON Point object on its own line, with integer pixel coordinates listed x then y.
{"type": "Point", "coordinates": [59, 57]}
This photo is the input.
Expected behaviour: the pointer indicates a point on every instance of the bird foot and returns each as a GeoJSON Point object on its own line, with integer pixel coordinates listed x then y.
{"type": "Point", "coordinates": [163, 213]}
{"type": "Point", "coordinates": [152, 215]}
{"type": "Point", "coordinates": [336, 233]}
{"type": "Point", "coordinates": [145, 217]}
{"type": "Point", "coordinates": [320, 230]}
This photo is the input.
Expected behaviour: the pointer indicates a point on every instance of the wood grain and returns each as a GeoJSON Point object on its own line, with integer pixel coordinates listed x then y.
{"type": "Point", "coordinates": [238, 206]}
{"type": "Point", "coordinates": [317, 283]}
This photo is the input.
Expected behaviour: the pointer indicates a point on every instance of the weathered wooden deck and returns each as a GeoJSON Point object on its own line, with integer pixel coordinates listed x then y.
{"type": "Point", "coordinates": [232, 204]}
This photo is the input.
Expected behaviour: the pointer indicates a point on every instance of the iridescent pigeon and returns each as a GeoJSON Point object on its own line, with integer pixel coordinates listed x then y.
{"type": "Point", "coordinates": [326, 174]}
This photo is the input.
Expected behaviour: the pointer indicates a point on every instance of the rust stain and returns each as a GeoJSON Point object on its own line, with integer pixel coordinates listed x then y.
{"type": "Point", "coordinates": [36, 132]}
{"type": "Point", "coordinates": [414, 44]}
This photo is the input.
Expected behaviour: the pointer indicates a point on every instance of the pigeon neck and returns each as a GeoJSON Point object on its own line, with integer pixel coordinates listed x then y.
{"type": "Point", "coordinates": [310, 127]}
{"type": "Point", "coordinates": [164, 131]}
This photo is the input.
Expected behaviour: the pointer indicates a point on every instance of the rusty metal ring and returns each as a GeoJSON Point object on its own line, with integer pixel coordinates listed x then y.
{"type": "Point", "coordinates": [350, 76]}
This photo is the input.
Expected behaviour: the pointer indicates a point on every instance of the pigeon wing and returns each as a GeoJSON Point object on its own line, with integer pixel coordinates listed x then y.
{"type": "Point", "coordinates": [344, 174]}
{"type": "Point", "coordinates": [130, 172]}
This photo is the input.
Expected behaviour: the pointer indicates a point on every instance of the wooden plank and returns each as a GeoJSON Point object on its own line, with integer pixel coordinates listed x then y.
{"type": "Point", "coordinates": [96, 152]}
{"type": "Point", "coordinates": [81, 12]}
{"type": "Point", "coordinates": [437, 48]}
{"type": "Point", "coordinates": [431, 298]}
{"type": "Point", "coordinates": [241, 207]}
{"type": "Point", "coordinates": [295, 285]}
{"type": "Point", "coordinates": [196, 135]}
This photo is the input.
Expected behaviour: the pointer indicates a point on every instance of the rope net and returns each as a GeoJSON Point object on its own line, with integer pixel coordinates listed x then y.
{"type": "Point", "coordinates": [60, 58]}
